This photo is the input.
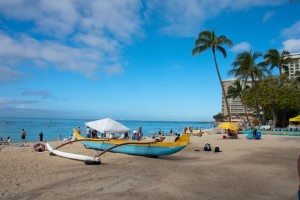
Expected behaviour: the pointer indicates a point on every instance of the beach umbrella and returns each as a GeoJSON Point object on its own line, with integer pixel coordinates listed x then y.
{"type": "Point", "coordinates": [295, 119]}
{"type": "Point", "coordinates": [229, 125]}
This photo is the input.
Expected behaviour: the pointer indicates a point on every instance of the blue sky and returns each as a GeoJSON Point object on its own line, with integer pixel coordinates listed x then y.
{"type": "Point", "coordinates": [129, 59]}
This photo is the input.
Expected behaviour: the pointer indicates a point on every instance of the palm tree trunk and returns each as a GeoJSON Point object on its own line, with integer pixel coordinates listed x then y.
{"type": "Point", "coordinates": [223, 89]}
{"type": "Point", "coordinates": [257, 99]}
{"type": "Point", "coordinates": [280, 67]}
{"type": "Point", "coordinates": [274, 117]}
{"type": "Point", "coordinates": [245, 108]}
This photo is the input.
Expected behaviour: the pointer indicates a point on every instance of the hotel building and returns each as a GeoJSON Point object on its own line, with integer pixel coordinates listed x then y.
{"type": "Point", "coordinates": [294, 65]}
{"type": "Point", "coordinates": [235, 105]}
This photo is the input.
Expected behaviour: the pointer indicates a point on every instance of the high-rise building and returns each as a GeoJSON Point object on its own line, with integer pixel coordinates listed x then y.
{"type": "Point", "coordinates": [236, 107]}
{"type": "Point", "coordinates": [294, 65]}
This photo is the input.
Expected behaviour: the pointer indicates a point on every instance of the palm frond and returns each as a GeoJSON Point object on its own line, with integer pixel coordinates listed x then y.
{"type": "Point", "coordinates": [224, 40]}
{"type": "Point", "coordinates": [200, 49]}
{"type": "Point", "coordinates": [222, 50]}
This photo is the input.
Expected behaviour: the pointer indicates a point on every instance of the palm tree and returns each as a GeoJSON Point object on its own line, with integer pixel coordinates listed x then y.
{"type": "Point", "coordinates": [275, 59]}
{"type": "Point", "coordinates": [208, 40]}
{"type": "Point", "coordinates": [245, 66]}
{"type": "Point", "coordinates": [236, 90]}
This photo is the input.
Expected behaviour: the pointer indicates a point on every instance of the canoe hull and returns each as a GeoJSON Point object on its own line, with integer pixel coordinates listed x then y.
{"type": "Point", "coordinates": [143, 150]}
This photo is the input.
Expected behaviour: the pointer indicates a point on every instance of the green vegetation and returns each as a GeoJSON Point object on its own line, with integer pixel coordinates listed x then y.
{"type": "Point", "coordinates": [282, 101]}
{"type": "Point", "coordinates": [274, 59]}
{"type": "Point", "coordinates": [219, 117]}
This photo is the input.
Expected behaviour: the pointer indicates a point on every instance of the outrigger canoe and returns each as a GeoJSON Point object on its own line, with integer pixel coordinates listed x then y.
{"type": "Point", "coordinates": [133, 147]}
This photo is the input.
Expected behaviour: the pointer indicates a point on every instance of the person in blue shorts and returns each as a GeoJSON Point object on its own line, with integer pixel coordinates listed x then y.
{"type": "Point", "coordinates": [23, 135]}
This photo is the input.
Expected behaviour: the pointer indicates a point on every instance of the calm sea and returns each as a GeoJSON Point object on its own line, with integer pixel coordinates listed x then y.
{"type": "Point", "coordinates": [52, 128]}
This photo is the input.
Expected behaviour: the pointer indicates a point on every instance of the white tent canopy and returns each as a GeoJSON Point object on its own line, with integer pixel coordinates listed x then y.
{"type": "Point", "coordinates": [107, 125]}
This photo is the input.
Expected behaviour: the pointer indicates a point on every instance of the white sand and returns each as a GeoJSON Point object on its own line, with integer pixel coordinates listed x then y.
{"type": "Point", "coordinates": [246, 169]}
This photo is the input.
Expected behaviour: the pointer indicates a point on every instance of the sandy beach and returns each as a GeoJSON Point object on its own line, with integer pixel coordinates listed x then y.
{"type": "Point", "coordinates": [246, 169]}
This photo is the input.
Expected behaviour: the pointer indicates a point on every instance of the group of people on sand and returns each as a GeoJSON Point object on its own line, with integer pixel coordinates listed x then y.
{"type": "Point", "coordinates": [90, 133]}
{"type": "Point", "coordinates": [24, 134]}
{"type": "Point", "coordinates": [188, 130]}
{"type": "Point", "coordinates": [5, 141]}
{"type": "Point", "coordinates": [232, 134]}
{"type": "Point", "coordinates": [94, 134]}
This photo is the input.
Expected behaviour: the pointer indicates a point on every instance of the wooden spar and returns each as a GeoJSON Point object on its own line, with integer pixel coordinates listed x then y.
{"type": "Point", "coordinates": [106, 150]}
{"type": "Point", "coordinates": [78, 140]}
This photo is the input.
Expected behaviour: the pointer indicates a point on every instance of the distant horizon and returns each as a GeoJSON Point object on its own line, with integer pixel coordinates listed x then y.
{"type": "Point", "coordinates": [1, 117]}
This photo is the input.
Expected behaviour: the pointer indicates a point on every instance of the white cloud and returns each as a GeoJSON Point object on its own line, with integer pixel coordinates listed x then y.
{"type": "Point", "coordinates": [73, 35]}
{"type": "Point", "coordinates": [9, 75]}
{"type": "Point", "coordinates": [41, 93]}
{"type": "Point", "coordinates": [87, 36]}
{"type": "Point", "coordinates": [293, 31]}
{"type": "Point", "coordinates": [105, 44]}
{"type": "Point", "coordinates": [243, 46]}
{"type": "Point", "coordinates": [114, 69]}
{"type": "Point", "coordinates": [185, 18]}
{"type": "Point", "coordinates": [49, 53]}
{"type": "Point", "coordinates": [7, 101]}
{"type": "Point", "coordinates": [291, 45]}
{"type": "Point", "coordinates": [268, 16]}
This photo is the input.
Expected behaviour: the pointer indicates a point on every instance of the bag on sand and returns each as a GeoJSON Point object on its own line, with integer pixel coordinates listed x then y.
{"type": "Point", "coordinates": [207, 147]}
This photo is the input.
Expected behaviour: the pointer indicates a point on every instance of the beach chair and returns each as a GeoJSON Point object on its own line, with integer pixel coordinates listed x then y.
{"type": "Point", "coordinates": [258, 136]}
{"type": "Point", "coordinates": [250, 136]}
{"type": "Point", "coordinates": [6, 141]}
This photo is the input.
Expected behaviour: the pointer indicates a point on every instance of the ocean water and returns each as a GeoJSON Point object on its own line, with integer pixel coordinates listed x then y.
{"type": "Point", "coordinates": [52, 128]}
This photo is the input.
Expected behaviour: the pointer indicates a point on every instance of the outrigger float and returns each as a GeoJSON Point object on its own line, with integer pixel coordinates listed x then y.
{"type": "Point", "coordinates": [152, 148]}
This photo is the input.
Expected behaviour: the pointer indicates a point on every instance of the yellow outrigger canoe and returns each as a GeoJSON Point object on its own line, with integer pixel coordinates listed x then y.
{"type": "Point", "coordinates": [133, 147]}
{"type": "Point", "coordinates": [143, 148]}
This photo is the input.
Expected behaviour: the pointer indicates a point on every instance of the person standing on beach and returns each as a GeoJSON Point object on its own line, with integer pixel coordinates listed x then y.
{"type": "Point", "coordinates": [140, 134]}
{"type": "Point", "coordinates": [23, 135]}
{"type": "Point", "coordinates": [79, 130]}
{"type": "Point", "coordinates": [184, 130]}
{"type": "Point", "coordinates": [41, 136]}
{"type": "Point", "coordinates": [254, 133]}
{"type": "Point", "coordinates": [88, 132]}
